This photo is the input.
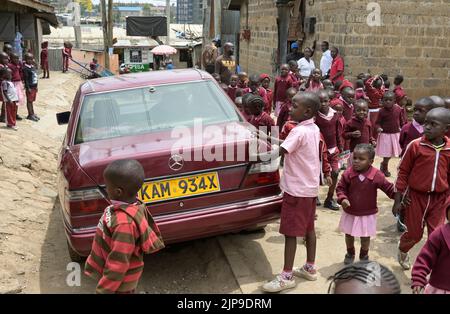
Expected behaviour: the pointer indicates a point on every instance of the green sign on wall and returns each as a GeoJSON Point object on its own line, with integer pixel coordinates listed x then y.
{"type": "Point", "coordinates": [139, 67]}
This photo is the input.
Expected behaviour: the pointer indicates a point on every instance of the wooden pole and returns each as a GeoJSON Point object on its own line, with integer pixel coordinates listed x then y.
{"type": "Point", "coordinates": [105, 33]}
{"type": "Point", "coordinates": [168, 22]}
{"type": "Point", "coordinates": [110, 23]}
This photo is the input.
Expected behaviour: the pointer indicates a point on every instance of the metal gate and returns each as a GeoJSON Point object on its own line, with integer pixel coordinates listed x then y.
{"type": "Point", "coordinates": [231, 29]}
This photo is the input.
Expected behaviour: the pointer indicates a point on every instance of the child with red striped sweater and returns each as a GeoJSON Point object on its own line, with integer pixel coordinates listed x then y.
{"type": "Point", "coordinates": [126, 231]}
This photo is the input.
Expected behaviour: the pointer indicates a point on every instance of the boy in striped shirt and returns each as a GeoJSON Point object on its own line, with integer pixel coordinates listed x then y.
{"type": "Point", "coordinates": [125, 232]}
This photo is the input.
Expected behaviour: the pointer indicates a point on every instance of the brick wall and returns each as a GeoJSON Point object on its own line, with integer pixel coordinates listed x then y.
{"type": "Point", "coordinates": [413, 39]}
{"type": "Point", "coordinates": [259, 54]}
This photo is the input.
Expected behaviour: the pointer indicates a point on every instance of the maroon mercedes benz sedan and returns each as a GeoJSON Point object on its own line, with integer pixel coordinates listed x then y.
{"type": "Point", "coordinates": [193, 143]}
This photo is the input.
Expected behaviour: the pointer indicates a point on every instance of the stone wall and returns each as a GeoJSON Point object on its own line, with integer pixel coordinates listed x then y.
{"type": "Point", "coordinates": [412, 40]}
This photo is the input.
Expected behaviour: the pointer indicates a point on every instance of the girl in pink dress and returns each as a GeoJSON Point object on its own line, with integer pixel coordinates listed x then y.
{"type": "Point", "coordinates": [389, 125]}
{"type": "Point", "coordinates": [357, 193]}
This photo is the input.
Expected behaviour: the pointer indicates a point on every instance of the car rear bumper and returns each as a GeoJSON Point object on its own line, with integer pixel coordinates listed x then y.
{"type": "Point", "coordinates": [202, 223]}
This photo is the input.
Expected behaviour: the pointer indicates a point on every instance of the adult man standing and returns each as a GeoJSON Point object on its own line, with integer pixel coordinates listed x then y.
{"type": "Point", "coordinates": [226, 64]}
{"type": "Point", "coordinates": [296, 52]}
{"type": "Point", "coordinates": [209, 57]}
{"type": "Point", "coordinates": [337, 67]}
{"type": "Point", "coordinates": [327, 60]}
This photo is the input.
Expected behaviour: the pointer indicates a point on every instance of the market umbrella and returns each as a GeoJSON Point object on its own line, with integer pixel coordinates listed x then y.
{"type": "Point", "coordinates": [163, 50]}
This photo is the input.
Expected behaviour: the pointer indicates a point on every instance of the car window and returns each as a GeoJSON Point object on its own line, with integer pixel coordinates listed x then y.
{"type": "Point", "coordinates": [143, 110]}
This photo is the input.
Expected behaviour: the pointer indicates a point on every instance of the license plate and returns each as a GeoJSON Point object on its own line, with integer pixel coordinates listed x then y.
{"type": "Point", "coordinates": [162, 190]}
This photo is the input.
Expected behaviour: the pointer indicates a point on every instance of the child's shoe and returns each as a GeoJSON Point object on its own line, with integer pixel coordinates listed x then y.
{"type": "Point", "coordinates": [279, 284]}
{"type": "Point", "coordinates": [364, 258]}
{"type": "Point", "coordinates": [15, 128]}
{"type": "Point", "coordinates": [32, 118]}
{"type": "Point", "coordinates": [307, 272]}
{"type": "Point", "coordinates": [349, 259]}
{"type": "Point", "coordinates": [403, 260]}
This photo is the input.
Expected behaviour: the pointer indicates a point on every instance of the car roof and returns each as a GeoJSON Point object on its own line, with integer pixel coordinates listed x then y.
{"type": "Point", "coordinates": [143, 79]}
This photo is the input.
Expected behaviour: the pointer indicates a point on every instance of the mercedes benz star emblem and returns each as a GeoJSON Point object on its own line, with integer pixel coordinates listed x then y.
{"type": "Point", "coordinates": [176, 162]}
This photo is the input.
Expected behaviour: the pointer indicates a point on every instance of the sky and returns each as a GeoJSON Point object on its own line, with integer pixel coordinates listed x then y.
{"type": "Point", "coordinates": [155, 2]}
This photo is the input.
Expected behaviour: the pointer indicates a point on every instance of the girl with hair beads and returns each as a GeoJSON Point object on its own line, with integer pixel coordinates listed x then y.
{"type": "Point", "coordinates": [364, 278]}
{"type": "Point", "coordinates": [357, 193]}
{"type": "Point", "coordinates": [389, 123]}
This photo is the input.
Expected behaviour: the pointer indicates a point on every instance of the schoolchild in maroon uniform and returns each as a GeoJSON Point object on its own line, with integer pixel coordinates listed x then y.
{"type": "Point", "coordinates": [422, 184]}
{"type": "Point", "coordinates": [327, 119]}
{"type": "Point", "coordinates": [294, 74]}
{"type": "Point", "coordinates": [66, 54]}
{"type": "Point", "coordinates": [232, 88]}
{"type": "Point", "coordinates": [434, 259]}
{"type": "Point", "coordinates": [327, 84]}
{"type": "Point", "coordinates": [30, 78]}
{"type": "Point", "coordinates": [254, 87]}
{"type": "Point", "coordinates": [359, 90]}
{"type": "Point", "coordinates": [4, 60]}
{"type": "Point", "coordinates": [348, 101]}
{"type": "Point", "coordinates": [357, 193]}
{"type": "Point", "coordinates": [260, 119]}
{"type": "Point", "coordinates": [300, 183]}
{"type": "Point", "coordinates": [44, 60]}
{"type": "Point", "coordinates": [286, 107]}
{"type": "Point", "coordinates": [447, 102]}
{"type": "Point", "coordinates": [246, 112]}
{"type": "Point", "coordinates": [313, 84]}
{"type": "Point", "coordinates": [388, 124]}
{"type": "Point", "coordinates": [400, 95]}
{"type": "Point", "coordinates": [243, 80]}
{"type": "Point", "coordinates": [358, 129]}
{"type": "Point", "coordinates": [265, 83]}
{"type": "Point", "coordinates": [375, 91]}
{"type": "Point", "coordinates": [282, 83]}
{"type": "Point", "coordinates": [9, 96]}
{"type": "Point", "coordinates": [17, 79]}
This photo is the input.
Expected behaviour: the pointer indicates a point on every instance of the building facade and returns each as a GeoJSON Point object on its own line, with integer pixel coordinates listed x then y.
{"type": "Point", "coordinates": [190, 11]}
{"type": "Point", "coordinates": [393, 37]}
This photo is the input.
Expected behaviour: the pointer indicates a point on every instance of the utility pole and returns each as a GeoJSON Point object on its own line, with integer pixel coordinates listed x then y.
{"type": "Point", "coordinates": [105, 33]}
{"type": "Point", "coordinates": [110, 23]}
{"type": "Point", "coordinates": [168, 22]}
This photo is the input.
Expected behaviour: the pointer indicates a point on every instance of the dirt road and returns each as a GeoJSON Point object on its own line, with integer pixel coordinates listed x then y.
{"type": "Point", "coordinates": [33, 246]}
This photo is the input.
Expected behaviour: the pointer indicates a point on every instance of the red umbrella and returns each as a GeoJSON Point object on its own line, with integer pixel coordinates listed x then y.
{"type": "Point", "coordinates": [163, 50]}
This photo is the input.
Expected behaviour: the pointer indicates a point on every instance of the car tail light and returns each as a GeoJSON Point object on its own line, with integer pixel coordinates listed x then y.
{"type": "Point", "coordinates": [263, 173]}
{"type": "Point", "coordinates": [86, 201]}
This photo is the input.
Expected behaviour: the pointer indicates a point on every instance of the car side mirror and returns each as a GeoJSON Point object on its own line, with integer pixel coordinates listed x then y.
{"type": "Point", "coordinates": [63, 117]}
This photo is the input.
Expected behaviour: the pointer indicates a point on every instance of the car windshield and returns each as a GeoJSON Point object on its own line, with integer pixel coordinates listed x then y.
{"type": "Point", "coordinates": [143, 110]}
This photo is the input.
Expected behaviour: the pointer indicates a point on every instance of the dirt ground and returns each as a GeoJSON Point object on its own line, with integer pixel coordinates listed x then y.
{"type": "Point", "coordinates": [33, 245]}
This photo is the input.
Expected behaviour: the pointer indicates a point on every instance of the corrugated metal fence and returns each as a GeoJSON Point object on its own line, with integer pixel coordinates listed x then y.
{"type": "Point", "coordinates": [55, 59]}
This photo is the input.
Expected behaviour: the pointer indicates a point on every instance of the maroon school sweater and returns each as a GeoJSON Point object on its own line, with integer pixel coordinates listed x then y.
{"type": "Point", "coordinates": [283, 116]}
{"type": "Point", "coordinates": [363, 195]}
{"type": "Point", "coordinates": [408, 134]}
{"type": "Point", "coordinates": [282, 84]}
{"type": "Point", "coordinates": [434, 258]}
{"type": "Point", "coordinates": [330, 130]}
{"type": "Point", "coordinates": [364, 126]}
{"type": "Point", "coordinates": [390, 120]}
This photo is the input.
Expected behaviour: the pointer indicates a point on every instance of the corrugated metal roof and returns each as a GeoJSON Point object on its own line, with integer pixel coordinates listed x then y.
{"type": "Point", "coordinates": [131, 9]}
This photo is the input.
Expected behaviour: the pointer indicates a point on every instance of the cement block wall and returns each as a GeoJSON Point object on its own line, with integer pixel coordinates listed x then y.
{"type": "Point", "coordinates": [412, 40]}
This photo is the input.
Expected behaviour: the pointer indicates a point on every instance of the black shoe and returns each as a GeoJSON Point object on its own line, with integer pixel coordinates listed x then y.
{"type": "Point", "coordinates": [318, 203]}
{"type": "Point", "coordinates": [2, 119]}
{"type": "Point", "coordinates": [330, 204]}
{"type": "Point", "coordinates": [36, 117]}
{"type": "Point", "coordinates": [349, 259]}
{"type": "Point", "coordinates": [19, 118]}
{"type": "Point", "coordinates": [400, 228]}
{"type": "Point", "coordinates": [364, 258]}
{"type": "Point", "coordinates": [33, 118]}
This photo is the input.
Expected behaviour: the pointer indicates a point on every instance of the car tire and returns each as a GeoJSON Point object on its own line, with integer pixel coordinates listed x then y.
{"type": "Point", "coordinates": [74, 256]}
{"type": "Point", "coordinates": [256, 229]}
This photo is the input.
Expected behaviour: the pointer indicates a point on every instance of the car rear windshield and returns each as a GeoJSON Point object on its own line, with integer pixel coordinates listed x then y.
{"type": "Point", "coordinates": [143, 110]}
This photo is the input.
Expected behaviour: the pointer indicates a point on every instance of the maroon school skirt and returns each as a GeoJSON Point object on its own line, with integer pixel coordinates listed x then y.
{"type": "Point", "coordinates": [297, 215]}
{"type": "Point", "coordinates": [31, 94]}
{"type": "Point", "coordinates": [333, 159]}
